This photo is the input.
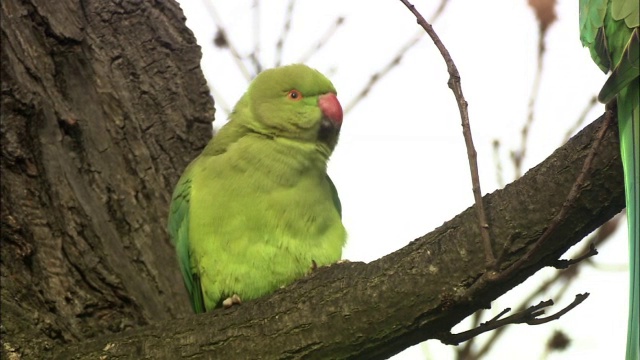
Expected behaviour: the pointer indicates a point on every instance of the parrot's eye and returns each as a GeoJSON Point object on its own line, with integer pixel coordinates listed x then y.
{"type": "Point", "coordinates": [294, 95]}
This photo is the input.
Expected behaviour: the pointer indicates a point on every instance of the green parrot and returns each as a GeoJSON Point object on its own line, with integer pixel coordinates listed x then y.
{"type": "Point", "coordinates": [610, 29]}
{"type": "Point", "coordinates": [256, 209]}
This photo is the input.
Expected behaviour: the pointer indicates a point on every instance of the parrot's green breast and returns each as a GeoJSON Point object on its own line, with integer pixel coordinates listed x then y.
{"type": "Point", "coordinates": [258, 226]}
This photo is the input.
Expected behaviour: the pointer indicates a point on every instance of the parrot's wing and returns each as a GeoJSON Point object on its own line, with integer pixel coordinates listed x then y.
{"type": "Point", "coordinates": [592, 34]}
{"type": "Point", "coordinates": [626, 71]}
{"type": "Point", "coordinates": [179, 233]}
{"type": "Point", "coordinates": [334, 196]}
{"type": "Point", "coordinates": [626, 10]}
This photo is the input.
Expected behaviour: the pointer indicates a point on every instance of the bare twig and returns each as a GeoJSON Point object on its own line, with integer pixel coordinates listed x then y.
{"type": "Point", "coordinates": [465, 352]}
{"type": "Point", "coordinates": [528, 316]}
{"type": "Point", "coordinates": [322, 41]}
{"type": "Point", "coordinates": [221, 104]}
{"type": "Point", "coordinates": [598, 237]}
{"type": "Point", "coordinates": [229, 44]}
{"type": "Point", "coordinates": [436, 14]}
{"type": "Point", "coordinates": [375, 77]}
{"type": "Point", "coordinates": [455, 86]}
{"type": "Point", "coordinates": [255, 54]}
{"type": "Point", "coordinates": [577, 301]}
{"type": "Point", "coordinates": [519, 155]}
{"type": "Point", "coordinates": [563, 264]}
{"type": "Point", "coordinates": [498, 163]}
{"type": "Point", "coordinates": [593, 101]}
{"type": "Point", "coordinates": [285, 32]}
{"type": "Point", "coordinates": [395, 61]}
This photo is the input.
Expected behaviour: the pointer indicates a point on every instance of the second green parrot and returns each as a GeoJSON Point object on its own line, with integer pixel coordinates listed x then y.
{"type": "Point", "coordinates": [257, 210]}
{"type": "Point", "coordinates": [610, 29]}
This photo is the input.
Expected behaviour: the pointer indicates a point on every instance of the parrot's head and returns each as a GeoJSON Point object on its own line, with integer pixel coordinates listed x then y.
{"type": "Point", "coordinates": [295, 102]}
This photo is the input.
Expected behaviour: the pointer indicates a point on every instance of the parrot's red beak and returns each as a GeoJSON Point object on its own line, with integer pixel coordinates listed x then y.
{"type": "Point", "coordinates": [331, 108]}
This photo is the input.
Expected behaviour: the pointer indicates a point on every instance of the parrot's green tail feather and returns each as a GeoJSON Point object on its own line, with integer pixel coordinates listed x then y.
{"type": "Point", "coordinates": [611, 31]}
{"type": "Point", "coordinates": [197, 298]}
{"type": "Point", "coordinates": [629, 123]}
{"type": "Point", "coordinates": [625, 72]}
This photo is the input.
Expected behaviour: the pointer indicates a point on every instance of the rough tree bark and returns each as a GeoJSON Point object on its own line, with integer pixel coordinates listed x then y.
{"type": "Point", "coordinates": [103, 105]}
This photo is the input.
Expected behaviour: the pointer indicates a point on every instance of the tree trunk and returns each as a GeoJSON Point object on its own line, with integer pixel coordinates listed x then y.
{"type": "Point", "coordinates": [104, 104]}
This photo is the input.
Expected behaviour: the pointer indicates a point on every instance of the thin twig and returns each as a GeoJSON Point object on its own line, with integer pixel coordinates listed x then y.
{"type": "Point", "coordinates": [455, 86]}
{"type": "Point", "coordinates": [255, 54]}
{"type": "Point", "coordinates": [395, 61]}
{"type": "Point", "coordinates": [465, 352]}
{"type": "Point", "coordinates": [498, 163]}
{"type": "Point", "coordinates": [221, 104]}
{"type": "Point", "coordinates": [221, 29]}
{"type": "Point", "coordinates": [528, 316]}
{"type": "Point", "coordinates": [563, 264]}
{"type": "Point", "coordinates": [375, 77]}
{"type": "Point", "coordinates": [597, 238]}
{"type": "Point", "coordinates": [285, 32]}
{"type": "Point", "coordinates": [519, 155]}
{"type": "Point", "coordinates": [577, 301]}
{"type": "Point", "coordinates": [322, 41]}
{"type": "Point", "coordinates": [436, 14]}
{"type": "Point", "coordinates": [593, 101]}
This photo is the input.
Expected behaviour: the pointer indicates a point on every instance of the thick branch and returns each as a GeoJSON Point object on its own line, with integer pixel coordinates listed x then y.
{"type": "Point", "coordinates": [409, 296]}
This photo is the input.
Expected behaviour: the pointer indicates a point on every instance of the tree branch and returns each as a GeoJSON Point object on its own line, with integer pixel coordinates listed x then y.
{"type": "Point", "coordinates": [409, 296]}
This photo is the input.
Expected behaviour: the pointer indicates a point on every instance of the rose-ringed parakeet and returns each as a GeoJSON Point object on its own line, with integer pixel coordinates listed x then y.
{"type": "Point", "coordinates": [610, 28]}
{"type": "Point", "coordinates": [256, 209]}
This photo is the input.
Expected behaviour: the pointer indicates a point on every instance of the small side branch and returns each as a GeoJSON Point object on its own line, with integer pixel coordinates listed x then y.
{"type": "Point", "coordinates": [528, 316]}
{"type": "Point", "coordinates": [285, 32]}
{"type": "Point", "coordinates": [563, 264]}
{"type": "Point", "coordinates": [324, 39]}
{"type": "Point", "coordinates": [223, 40]}
{"type": "Point", "coordinates": [593, 101]}
{"type": "Point", "coordinates": [456, 87]}
{"type": "Point", "coordinates": [386, 69]}
{"type": "Point", "coordinates": [394, 61]}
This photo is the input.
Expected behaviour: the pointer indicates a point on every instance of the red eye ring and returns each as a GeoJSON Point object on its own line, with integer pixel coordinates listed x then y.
{"type": "Point", "coordinates": [294, 95]}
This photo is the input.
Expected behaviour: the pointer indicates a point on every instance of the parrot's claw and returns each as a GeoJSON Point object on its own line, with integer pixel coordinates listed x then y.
{"type": "Point", "coordinates": [314, 265]}
{"type": "Point", "coordinates": [231, 300]}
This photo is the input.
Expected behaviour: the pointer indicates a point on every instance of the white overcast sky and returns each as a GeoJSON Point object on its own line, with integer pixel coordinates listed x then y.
{"type": "Point", "coordinates": [401, 165]}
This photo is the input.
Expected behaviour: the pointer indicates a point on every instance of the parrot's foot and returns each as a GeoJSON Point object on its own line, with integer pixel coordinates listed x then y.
{"type": "Point", "coordinates": [314, 265]}
{"type": "Point", "coordinates": [231, 300]}
{"type": "Point", "coordinates": [312, 268]}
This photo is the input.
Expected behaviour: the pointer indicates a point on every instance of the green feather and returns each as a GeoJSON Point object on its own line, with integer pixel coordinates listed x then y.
{"type": "Point", "coordinates": [626, 71]}
{"type": "Point", "coordinates": [629, 124]}
{"type": "Point", "coordinates": [256, 209]}
{"type": "Point", "coordinates": [610, 28]}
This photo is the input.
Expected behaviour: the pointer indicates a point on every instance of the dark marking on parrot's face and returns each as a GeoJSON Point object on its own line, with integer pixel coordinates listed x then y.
{"type": "Point", "coordinates": [328, 132]}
